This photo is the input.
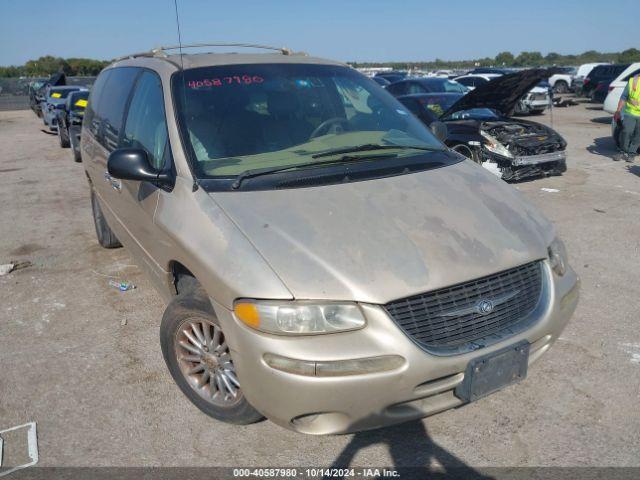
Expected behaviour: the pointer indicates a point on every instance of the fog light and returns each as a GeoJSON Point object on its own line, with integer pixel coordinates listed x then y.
{"type": "Point", "coordinates": [290, 365]}
{"type": "Point", "coordinates": [335, 368]}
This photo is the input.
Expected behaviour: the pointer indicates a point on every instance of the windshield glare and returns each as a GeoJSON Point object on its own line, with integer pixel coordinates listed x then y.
{"type": "Point", "coordinates": [241, 117]}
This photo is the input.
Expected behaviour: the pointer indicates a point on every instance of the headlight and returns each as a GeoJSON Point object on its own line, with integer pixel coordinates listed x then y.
{"type": "Point", "coordinates": [558, 256]}
{"type": "Point", "coordinates": [299, 318]}
{"type": "Point", "coordinates": [495, 146]}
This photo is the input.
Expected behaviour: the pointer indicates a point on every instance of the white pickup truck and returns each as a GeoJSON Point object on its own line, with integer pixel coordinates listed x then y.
{"type": "Point", "coordinates": [561, 82]}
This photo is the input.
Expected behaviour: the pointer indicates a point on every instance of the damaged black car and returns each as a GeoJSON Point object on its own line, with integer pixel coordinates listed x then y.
{"type": "Point", "coordinates": [479, 126]}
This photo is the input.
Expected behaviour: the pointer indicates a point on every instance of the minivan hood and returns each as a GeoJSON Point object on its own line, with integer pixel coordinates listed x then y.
{"type": "Point", "coordinates": [384, 239]}
{"type": "Point", "coordinates": [501, 93]}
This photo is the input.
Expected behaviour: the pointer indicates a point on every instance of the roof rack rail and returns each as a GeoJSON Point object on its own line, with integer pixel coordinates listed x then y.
{"type": "Point", "coordinates": [161, 51]}
{"type": "Point", "coordinates": [283, 50]}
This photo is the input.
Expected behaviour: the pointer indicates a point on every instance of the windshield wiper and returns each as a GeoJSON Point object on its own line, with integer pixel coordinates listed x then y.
{"type": "Point", "coordinates": [373, 146]}
{"type": "Point", "coordinates": [256, 172]}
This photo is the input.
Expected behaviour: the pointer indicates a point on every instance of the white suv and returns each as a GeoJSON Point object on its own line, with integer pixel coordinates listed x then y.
{"type": "Point", "coordinates": [617, 87]}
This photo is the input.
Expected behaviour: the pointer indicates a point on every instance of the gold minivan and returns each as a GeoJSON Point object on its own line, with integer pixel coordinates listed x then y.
{"type": "Point", "coordinates": [328, 263]}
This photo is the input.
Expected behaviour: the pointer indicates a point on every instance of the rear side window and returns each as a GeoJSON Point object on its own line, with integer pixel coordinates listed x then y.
{"type": "Point", "coordinates": [146, 125]}
{"type": "Point", "coordinates": [113, 102]}
{"type": "Point", "coordinates": [619, 69]}
{"type": "Point", "coordinates": [91, 120]}
{"type": "Point", "coordinates": [597, 71]}
{"type": "Point", "coordinates": [416, 88]}
{"type": "Point", "coordinates": [397, 88]}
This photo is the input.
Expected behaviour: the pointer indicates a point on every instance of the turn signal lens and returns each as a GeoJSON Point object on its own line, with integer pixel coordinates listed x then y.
{"type": "Point", "coordinates": [248, 313]}
{"type": "Point", "coordinates": [299, 318]}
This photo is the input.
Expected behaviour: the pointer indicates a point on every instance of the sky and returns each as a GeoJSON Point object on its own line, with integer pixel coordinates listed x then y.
{"type": "Point", "coordinates": [356, 30]}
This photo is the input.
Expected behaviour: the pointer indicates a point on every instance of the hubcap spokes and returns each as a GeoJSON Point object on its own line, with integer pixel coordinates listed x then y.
{"type": "Point", "coordinates": [205, 361]}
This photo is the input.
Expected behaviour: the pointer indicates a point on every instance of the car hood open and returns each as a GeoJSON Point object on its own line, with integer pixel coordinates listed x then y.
{"type": "Point", "coordinates": [502, 93]}
{"type": "Point", "coordinates": [380, 240]}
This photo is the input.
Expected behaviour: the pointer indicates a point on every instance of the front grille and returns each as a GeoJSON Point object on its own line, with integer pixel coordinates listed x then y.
{"type": "Point", "coordinates": [449, 321]}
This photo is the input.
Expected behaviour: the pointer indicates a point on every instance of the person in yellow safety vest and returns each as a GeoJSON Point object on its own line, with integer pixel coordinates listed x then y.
{"type": "Point", "coordinates": [629, 105]}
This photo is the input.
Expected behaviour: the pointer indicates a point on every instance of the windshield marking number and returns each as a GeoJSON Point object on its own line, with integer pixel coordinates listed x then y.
{"type": "Point", "coordinates": [230, 80]}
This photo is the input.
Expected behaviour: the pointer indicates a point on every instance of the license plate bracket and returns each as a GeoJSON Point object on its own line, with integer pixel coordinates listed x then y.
{"type": "Point", "coordinates": [490, 373]}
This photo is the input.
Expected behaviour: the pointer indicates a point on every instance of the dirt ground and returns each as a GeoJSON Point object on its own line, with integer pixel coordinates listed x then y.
{"type": "Point", "coordinates": [83, 359]}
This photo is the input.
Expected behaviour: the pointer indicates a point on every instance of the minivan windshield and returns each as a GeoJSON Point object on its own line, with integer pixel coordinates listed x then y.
{"type": "Point", "coordinates": [79, 100]}
{"type": "Point", "coordinates": [236, 118]}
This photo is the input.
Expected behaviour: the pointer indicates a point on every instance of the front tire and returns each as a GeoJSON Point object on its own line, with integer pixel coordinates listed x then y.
{"type": "Point", "coordinates": [199, 360]}
{"type": "Point", "coordinates": [470, 153]}
{"type": "Point", "coordinates": [63, 137]}
{"type": "Point", "coordinates": [561, 87]}
{"type": "Point", "coordinates": [106, 237]}
{"type": "Point", "coordinates": [75, 148]}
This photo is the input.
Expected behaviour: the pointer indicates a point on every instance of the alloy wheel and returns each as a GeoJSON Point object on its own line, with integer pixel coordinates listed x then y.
{"type": "Point", "coordinates": [205, 361]}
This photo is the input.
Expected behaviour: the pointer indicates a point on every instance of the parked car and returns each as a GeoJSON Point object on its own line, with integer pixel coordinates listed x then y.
{"type": "Point", "coordinates": [536, 100]}
{"type": "Point", "coordinates": [35, 89]}
{"type": "Point", "coordinates": [54, 100]}
{"type": "Point", "coordinates": [617, 87]}
{"type": "Point", "coordinates": [392, 76]}
{"type": "Point", "coordinates": [490, 70]}
{"type": "Point", "coordinates": [328, 263]}
{"type": "Point", "coordinates": [601, 73]}
{"type": "Point", "coordinates": [425, 85]}
{"type": "Point", "coordinates": [382, 81]}
{"type": "Point", "coordinates": [479, 127]}
{"type": "Point", "coordinates": [70, 121]}
{"type": "Point", "coordinates": [583, 70]}
{"type": "Point", "coordinates": [599, 93]}
{"type": "Point", "coordinates": [533, 102]}
{"type": "Point", "coordinates": [562, 80]}
{"type": "Point", "coordinates": [443, 73]}
{"type": "Point", "coordinates": [471, 81]}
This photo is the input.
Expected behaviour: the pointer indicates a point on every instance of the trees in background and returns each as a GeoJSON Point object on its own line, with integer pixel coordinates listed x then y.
{"type": "Point", "coordinates": [629, 56]}
{"type": "Point", "coordinates": [523, 59]}
{"type": "Point", "coordinates": [48, 65]}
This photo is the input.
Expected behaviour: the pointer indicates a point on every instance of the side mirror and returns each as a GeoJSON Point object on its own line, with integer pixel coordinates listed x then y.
{"type": "Point", "coordinates": [133, 164]}
{"type": "Point", "coordinates": [439, 129]}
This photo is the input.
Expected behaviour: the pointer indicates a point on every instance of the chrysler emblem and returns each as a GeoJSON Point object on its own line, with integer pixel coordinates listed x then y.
{"type": "Point", "coordinates": [482, 307]}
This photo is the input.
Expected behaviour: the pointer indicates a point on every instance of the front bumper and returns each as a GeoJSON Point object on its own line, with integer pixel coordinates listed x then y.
{"type": "Point", "coordinates": [536, 104]}
{"type": "Point", "coordinates": [559, 156]}
{"type": "Point", "coordinates": [423, 385]}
